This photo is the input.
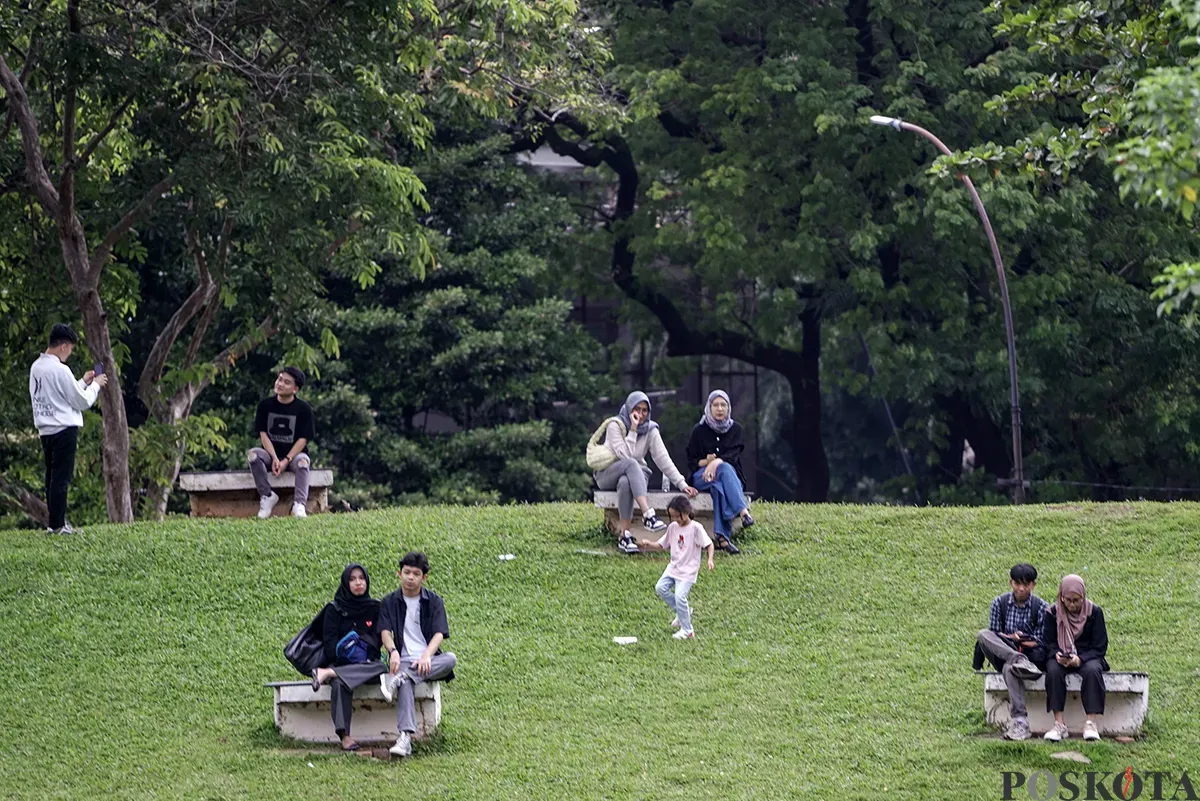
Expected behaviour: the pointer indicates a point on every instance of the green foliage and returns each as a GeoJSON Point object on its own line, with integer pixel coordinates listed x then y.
{"type": "Point", "coordinates": [544, 703]}
{"type": "Point", "coordinates": [450, 388]}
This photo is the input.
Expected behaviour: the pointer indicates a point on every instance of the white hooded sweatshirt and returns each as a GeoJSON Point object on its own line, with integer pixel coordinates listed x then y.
{"type": "Point", "coordinates": [58, 399]}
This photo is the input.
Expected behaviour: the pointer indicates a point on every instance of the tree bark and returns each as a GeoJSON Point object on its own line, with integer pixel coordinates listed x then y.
{"type": "Point", "coordinates": [808, 448]}
{"type": "Point", "coordinates": [118, 493]}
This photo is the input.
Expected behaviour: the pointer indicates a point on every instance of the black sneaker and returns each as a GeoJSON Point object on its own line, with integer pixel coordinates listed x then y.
{"type": "Point", "coordinates": [652, 523]}
{"type": "Point", "coordinates": [627, 544]}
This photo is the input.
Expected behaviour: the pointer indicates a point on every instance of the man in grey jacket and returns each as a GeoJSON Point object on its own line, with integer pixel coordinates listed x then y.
{"type": "Point", "coordinates": [58, 404]}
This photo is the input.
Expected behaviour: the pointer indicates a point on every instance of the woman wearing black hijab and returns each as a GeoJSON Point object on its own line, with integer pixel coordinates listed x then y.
{"type": "Point", "coordinates": [353, 610]}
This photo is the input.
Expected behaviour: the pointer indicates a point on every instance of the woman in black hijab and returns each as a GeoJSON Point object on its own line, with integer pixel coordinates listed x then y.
{"type": "Point", "coordinates": [350, 660]}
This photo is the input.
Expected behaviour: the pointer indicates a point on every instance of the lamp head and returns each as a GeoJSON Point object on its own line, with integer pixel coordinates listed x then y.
{"type": "Point", "coordinates": [891, 122]}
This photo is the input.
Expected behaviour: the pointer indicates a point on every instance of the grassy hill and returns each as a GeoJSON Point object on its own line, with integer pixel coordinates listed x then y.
{"type": "Point", "coordinates": [832, 658]}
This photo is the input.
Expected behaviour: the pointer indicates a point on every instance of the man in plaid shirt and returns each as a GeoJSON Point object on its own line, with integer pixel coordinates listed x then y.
{"type": "Point", "coordinates": [1013, 636]}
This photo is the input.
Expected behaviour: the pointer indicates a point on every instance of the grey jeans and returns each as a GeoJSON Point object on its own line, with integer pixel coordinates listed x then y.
{"type": "Point", "coordinates": [440, 666]}
{"type": "Point", "coordinates": [629, 478]}
{"type": "Point", "coordinates": [993, 645]}
{"type": "Point", "coordinates": [260, 466]}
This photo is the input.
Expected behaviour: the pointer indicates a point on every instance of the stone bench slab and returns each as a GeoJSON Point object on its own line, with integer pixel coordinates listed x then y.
{"type": "Point", "coordinates": [231, 493]}
{"type": "Point", "coordinates": [1127, 698]}
{"type": "Point", "coordinates": [702, 504]}
{"type": "Point", "coordinates": [303, 714]}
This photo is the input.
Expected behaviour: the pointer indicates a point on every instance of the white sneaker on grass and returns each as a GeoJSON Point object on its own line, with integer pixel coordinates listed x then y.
{"type": "Point", "coordinates": [627, 544]}
{"type": "Point", "coordinates": [675, 623]}
{"type": "Point", "coordinates": [403, 746]}
{"type": "Point", "coordinates": [683, 634]}
{"type": "Point", "coordinates": [1090, 732]}
{"type": "Point", "coordinates": [266, 505]}
{"type": "Point", "coordinates": [1018, 729]}
{"type": "Point", "coordinates": [1057, 732]}
{"type": "Point", "coordinates": [298, 510]}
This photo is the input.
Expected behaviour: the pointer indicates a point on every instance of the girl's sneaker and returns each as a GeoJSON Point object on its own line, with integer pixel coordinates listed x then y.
{"type": "Point", "coordinates": [683, 635]}
{"type": "Point", "coordinates": [1057, 733]}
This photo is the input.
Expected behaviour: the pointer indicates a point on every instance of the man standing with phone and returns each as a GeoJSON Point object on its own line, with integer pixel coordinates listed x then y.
{"type": "Point", "coordinates": [58, 404]}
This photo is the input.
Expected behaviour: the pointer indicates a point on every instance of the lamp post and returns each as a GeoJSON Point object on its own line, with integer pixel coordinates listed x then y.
{"type": "Point", "coordinates": [1018, 483]}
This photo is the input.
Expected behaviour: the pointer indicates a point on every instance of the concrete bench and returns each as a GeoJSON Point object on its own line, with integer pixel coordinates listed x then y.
{"type": "Point", "coordinates": [232, 493]}
{"type": "Point", "coordinates": [303, 714]}
{"type": "Point", "coordinates": [702, 503]}
{"type": "Point", "coordinates": [1127, 697]}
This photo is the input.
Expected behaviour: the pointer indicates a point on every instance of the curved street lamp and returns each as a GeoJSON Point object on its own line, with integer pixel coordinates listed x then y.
{"type": "Point", "coordinates": [1018, 483]}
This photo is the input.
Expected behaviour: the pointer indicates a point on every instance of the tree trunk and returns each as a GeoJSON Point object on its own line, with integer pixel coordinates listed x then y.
{"type": "Point", "coordinates": [117, 490]}
{"type": "Point", "coordinates": [30, 503]}
{"type": "Point", "coordinates": [808, 449]}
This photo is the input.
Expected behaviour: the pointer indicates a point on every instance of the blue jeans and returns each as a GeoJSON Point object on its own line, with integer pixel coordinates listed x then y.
{"type": "Point", "coordinates": [674, 593]}
{"type": "Point", "coordinates": [727, 497]}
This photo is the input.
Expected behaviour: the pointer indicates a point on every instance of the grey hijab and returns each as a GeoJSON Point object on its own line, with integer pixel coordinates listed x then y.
{"type": "Point", "coordinates": [633, 400]}
{"type": "Point", "coordinates": [720, 426]}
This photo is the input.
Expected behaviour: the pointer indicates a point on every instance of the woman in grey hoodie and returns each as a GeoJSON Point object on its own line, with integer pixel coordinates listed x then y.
{"type": "Point", "coordinates": [629, 475]}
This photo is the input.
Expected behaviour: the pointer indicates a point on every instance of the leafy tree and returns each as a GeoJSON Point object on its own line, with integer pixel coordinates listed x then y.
{"type": "Point", "coordinates": [482, 344]}
{"type": "Point", "coordinates": [259, 136]}
{"type": "Point", "coordinates": [755, 215]}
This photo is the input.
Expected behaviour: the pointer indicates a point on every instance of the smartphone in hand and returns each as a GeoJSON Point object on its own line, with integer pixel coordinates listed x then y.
{"type": "Point", "coordinates": [98, 368]}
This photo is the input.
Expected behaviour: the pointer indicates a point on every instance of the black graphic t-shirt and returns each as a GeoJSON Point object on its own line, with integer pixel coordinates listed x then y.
{"type": "Point", "coordinates": [285, 423]}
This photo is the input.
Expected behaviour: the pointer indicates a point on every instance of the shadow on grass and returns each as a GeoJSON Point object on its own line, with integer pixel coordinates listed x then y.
{"type": "Point", "coordinates": [443, 743]}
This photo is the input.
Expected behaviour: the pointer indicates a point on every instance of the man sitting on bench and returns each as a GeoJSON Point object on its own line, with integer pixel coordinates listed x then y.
{"type": "Point", "coordinates": [284, 425]}
{"type": "Point", "coordinates": [1012, 642]}
{"type": "Point", "coordinates": [413, 626]}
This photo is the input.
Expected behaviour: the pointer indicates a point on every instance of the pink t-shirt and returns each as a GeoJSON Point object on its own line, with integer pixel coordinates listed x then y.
{"type": "Point", "coordinates": [686, 544]}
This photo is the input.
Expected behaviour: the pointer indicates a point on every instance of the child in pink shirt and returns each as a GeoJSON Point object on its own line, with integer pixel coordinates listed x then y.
{"type": "Point", "coordinates": [684, 539]}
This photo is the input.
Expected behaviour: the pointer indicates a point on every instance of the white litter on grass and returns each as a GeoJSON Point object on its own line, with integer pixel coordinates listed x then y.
{"type": "Point", "coordinates": [311, 765]}
{"type": "Point", "coordinates": [624, 640]}
{"type": "Point", "coordinates": [507, 557]}
{"type": "Point", "coordinates": [591, 553]}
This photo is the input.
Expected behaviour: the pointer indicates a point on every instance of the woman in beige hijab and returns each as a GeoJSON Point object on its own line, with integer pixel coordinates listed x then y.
{"type": "Point", "coordinates": [1075, 637]}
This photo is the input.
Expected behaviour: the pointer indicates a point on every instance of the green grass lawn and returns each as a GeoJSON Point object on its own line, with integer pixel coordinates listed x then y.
{"type": "Point", "coordinates": [832, 658]}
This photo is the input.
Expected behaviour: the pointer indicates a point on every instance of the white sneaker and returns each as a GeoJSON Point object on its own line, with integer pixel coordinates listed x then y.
{"type": "Point", "coordinates": [1058, 732]}
{"type": "Point", "coordinates": [683, 635]}
{"type": "Point", "coordinates": [298, 510]}
{"type": "Point", "coordinates": [1090, 732]}
{"type": "Point", "coordinates": [627, 544]}
{"type": "Point", "coordinates": [266, 505]}
{"type": "Point", "coordinates": [387, 685]}
{"type": "Point", "coordinates": [403, 746]}
{"type": "Point", "coordinates": [675, 623]}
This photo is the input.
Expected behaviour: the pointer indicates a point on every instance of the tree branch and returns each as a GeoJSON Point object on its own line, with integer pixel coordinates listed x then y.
{"type": "Point", "coordinates": [100, 257]}
{"type": "Point", "coordinates": [683, 339]}
{"type": "Point", "coordinates": [29, 503]}
{"type": "Point", "coordinates": [212, 304]}
{"type": "Point", "coordinates": [35, 171]}
{"type": "Point", "coordinates": [81, 161]}
{"type": "Point", "coordinates": [66, 182]}
{"type": "Point", "coordinates": [156, 362]}
{"type": "Point", "coordinates": [228, 357]}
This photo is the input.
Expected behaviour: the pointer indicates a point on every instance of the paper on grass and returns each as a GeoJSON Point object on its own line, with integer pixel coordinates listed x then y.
{"type": "Point", "coordinates": [624, 640]}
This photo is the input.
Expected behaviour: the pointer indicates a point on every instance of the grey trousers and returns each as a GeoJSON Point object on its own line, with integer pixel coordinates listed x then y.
{"type": "Point", "coordinates": [260, 466]}
{"type": "Point", "coordinates": [629, 479]}
{"type": "Point", "coordinates": [993, 645]}
{"type": "Point", "coordinates": [440, 666]}
{"type": "Point", "coordinates": [341, 691]}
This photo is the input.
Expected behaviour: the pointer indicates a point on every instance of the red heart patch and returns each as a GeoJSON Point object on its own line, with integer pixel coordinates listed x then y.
{"type": "Point", "coordinates": [369, 622]}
